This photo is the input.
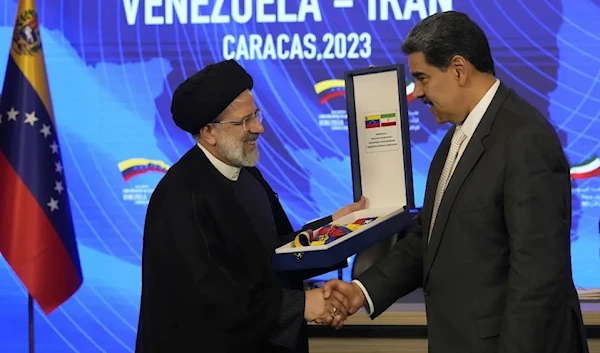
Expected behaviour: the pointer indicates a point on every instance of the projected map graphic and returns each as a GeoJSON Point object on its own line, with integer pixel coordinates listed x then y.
{"type": "Point", "coordinates": [113, 66]}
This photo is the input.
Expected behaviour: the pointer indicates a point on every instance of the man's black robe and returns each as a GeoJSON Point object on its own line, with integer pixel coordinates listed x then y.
{"type": "Point", "coordinates": [208, 284]}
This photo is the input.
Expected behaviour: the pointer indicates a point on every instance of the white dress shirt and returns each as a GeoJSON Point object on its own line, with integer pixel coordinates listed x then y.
{"type": "Point", "coordinates": [231, 173]}
{"type": "Point", "coordinates": [468, 127]}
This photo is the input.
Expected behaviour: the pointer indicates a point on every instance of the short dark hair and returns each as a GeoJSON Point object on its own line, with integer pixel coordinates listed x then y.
{"type": "Point", "coordinates": [443, 35]}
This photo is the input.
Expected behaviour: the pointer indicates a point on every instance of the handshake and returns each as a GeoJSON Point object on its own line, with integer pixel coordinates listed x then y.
{"type": "Point", "coordinates": [331, 304]}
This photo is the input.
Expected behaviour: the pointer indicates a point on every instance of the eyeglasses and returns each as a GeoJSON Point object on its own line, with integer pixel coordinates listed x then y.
{"type": "Point", "coordinates": [256, 115]}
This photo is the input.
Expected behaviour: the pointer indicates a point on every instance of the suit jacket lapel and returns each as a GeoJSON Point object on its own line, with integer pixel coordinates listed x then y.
{"type": "Point", "coordinates": [435, 172]}
{"type": "Point", "coordinates": [471, 155]}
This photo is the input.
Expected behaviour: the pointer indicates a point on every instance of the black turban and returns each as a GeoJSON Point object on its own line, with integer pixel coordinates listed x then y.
{"type": "Point", "coordinates": [203, 96]}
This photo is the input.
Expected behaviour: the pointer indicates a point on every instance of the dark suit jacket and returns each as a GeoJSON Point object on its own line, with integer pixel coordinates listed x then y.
{"type": "Point", "coordinates": [497, 273]}
{"type": "Point", "coordinates": [207, 281]}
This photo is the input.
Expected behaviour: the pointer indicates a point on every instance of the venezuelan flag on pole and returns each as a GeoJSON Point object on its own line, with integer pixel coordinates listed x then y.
{"type": "Point", "coordinates": [36, 230]}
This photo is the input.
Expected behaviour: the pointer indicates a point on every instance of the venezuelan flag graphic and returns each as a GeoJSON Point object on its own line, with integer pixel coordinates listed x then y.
{"type": "Point", "coordinates": [372, 121]}
{"type": "Point", "coordinates": [135, 166]}
{"type": "Point", "coordinates": [37, 238]}
{"type": "Point", "coordinates": [329, 89]}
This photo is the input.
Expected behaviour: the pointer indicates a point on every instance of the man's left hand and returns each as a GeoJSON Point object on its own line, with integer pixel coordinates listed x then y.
{"type": "Point", "coordinates": [353, 207]}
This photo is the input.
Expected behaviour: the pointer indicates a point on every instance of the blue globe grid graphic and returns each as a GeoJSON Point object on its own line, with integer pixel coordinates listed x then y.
{"type": "Point", "coordinates": [111, 84]}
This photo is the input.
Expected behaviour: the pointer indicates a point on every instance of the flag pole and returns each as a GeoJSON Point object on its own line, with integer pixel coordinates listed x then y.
{"type": "Point", "coordinates": [35, 189]}
{"type": "Point", "coordinates": [30, 312]}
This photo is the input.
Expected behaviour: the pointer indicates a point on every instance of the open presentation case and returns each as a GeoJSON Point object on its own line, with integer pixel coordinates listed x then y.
{"type": "Point", "coordinates": [380, 158]}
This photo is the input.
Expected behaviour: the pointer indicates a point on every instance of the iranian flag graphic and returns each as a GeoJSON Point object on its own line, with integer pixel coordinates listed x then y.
{"type": "Point", "coordinates": [388, 119]}
{"type": "Point", "coordinates": [585, 170]}
{"type": "Point", "coordinates": [410, 91]}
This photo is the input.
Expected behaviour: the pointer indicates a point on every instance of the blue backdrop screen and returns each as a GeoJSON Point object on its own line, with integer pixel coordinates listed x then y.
{"type": "Point", "coordinates": [113, 66]}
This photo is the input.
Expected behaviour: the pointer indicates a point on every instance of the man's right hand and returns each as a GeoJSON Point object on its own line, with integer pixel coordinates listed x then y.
{"type": "Point", "coordinates": [321, 310]}
{"type": "Point", "coordinates": [351, 291]}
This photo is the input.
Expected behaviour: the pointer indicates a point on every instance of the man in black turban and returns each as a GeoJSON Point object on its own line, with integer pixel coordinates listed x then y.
{"type": "Point", "coordinates": [211, 226]}
{"type": "Point", "coordinates": [201, 98]}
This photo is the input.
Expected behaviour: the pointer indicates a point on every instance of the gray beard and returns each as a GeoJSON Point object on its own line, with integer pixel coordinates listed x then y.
{"type": "Point", "coordinates": [233, 151]}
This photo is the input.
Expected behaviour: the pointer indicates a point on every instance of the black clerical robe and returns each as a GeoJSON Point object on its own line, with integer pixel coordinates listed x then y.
{"type": "Point", "coordinates": [207, 280]}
